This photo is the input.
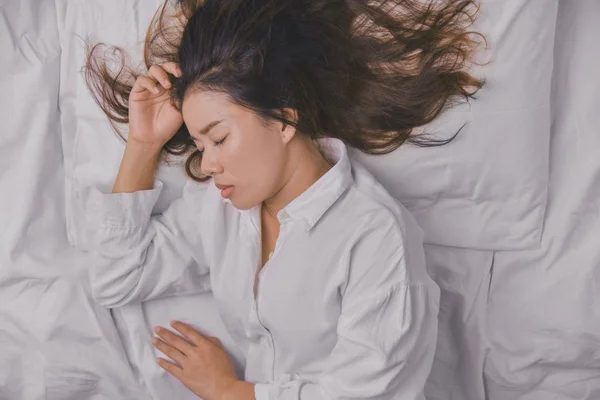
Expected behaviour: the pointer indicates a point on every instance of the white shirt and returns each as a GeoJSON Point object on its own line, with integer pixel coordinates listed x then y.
{"type": "Point", "coordinates": [344, 309]}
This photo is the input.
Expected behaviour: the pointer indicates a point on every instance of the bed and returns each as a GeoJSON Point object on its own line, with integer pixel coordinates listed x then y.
{"type": "Point", "coordinates": [510, 210]}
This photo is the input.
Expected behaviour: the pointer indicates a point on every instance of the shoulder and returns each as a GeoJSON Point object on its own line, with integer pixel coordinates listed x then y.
{"type": "Point", "coordinates": [386, 246]}
{"type": "Point", "coordinates": [374, 210]}
{"type": "Point", "coordinates": [377, 242]}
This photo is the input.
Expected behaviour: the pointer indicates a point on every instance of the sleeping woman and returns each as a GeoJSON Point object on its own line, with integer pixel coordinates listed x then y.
{"type": "Point", "coordinates": [318, 272]}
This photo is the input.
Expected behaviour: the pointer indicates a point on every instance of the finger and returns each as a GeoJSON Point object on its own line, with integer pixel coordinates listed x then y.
{"type": "Point", "coordinates": [189, 333]}
{"type": "Point", "coordinates": [171, 368]}
{"type": "Point", "coordinates": [179, 343]}
{"type": "Point", "coordinates": [160, 75]}
{"type": "Point", "coordinates": [169, 351]}
{"type": "Point", "coordinates": [172, 68]}
{"type": "Point", "coordinates": [145, 83]}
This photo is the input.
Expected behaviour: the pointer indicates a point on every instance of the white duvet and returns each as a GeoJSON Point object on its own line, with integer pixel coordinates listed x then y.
{"type": "Point", "coordinates": [520, 312]}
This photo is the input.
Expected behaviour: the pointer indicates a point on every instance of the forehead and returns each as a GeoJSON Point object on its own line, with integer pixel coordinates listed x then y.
{"type": "Point", "coordinates": [200, 108]}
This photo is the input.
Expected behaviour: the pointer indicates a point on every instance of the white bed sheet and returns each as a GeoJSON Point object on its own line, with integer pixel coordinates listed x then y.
{"type": "Point", "coordinates": [527, 325]}
{"type": "Point", "coordinates": [55, 342]}
{"type": "Point", "coordinates": [544, 307]}
{"type": "Point", "coordinates": [461, 203]}
{"type": "Point", "coordinates": [526, 328]}
{"type": "Point", "coordinates": [461, 195]}
{"type": "Point", "coordinates": [463, 276]}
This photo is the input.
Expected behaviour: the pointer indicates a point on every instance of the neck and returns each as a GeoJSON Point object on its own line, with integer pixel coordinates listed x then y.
{"type": "Point", "coordinates": [306, 166]}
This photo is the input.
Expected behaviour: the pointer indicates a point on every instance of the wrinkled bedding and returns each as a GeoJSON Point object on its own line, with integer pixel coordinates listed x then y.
{"type": "Point", "coordinates": [510, 210]}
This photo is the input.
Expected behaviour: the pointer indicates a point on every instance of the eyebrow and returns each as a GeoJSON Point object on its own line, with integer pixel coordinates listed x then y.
{"type": "Point", "coordinates": [208, 127]}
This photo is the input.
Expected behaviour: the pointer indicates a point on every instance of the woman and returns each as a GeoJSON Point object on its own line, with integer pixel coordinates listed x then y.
{"type": "Point", "coordinates": [318, 273]}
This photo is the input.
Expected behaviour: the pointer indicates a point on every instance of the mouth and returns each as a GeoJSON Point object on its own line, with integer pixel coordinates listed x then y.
{"type": "Point", "coordinates": [226, 190]}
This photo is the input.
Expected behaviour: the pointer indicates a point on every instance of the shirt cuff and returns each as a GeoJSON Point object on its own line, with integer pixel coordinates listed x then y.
{"type": "Point", "coordinates": [262, 390]}
{"type": "Point", "coordinates": [132, 210]}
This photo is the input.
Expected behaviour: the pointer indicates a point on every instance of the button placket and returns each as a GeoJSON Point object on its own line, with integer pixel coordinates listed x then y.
{"type": "Point", "coordinates": [254, 317]}
{"type": "Point", "coordinates": [260, 277]}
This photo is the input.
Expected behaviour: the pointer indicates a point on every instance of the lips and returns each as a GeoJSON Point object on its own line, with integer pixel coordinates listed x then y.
{"type": "Point", "coordinates": [226, 190]}
{"type": "Point", "coordinates": [222, 187]}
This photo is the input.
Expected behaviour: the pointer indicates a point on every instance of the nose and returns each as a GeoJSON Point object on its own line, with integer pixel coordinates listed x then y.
{"type": "Point", "coordinates": [209, 165]}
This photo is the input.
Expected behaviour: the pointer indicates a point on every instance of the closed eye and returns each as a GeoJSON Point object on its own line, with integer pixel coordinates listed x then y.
{"type": "Point", "coordinates": [220, 142]}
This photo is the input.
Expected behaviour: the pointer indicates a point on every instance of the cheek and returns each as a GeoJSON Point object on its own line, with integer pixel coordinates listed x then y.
{"type": "Point", "coordinates": [252, 160]}
{"type": "Point", "coordinates": [247, 158]}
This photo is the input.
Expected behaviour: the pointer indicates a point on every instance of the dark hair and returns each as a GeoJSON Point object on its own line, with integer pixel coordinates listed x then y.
{"type": "Point", "coordinates": [366, 72]}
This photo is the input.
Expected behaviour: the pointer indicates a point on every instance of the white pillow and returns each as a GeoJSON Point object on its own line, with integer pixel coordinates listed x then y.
{"type": "Point", "coordinates": [487, 189]}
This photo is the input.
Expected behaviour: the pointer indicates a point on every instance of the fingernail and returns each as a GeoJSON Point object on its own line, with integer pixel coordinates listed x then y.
{"type": "Point", "coordinates": [157, 329]}
{"type": "Point", "coordinates": [155, 90]}
{"type": "Point", "coordinates": [166, 83]}
{"type": "Point", "coordinates": [154, 340]}
{"type": "Point", "coordinates": [173, 322]}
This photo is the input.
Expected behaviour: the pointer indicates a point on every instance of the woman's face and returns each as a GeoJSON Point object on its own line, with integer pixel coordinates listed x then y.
{"type": "Point", "coordinates": [239, 148]}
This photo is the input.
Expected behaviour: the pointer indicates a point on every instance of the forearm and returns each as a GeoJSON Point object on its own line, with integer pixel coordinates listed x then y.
{"type": "Point", "coordinates": [138, 167]}
{"type": "Point", "coordinates": [128, 265]}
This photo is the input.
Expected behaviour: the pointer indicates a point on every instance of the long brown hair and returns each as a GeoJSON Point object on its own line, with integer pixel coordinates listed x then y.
{"type": "Point", "coordinates": [366, 72]}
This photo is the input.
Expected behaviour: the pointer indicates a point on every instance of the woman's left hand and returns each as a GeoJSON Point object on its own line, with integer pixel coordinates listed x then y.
{"type": "Point", "coordinates": [204, 367]}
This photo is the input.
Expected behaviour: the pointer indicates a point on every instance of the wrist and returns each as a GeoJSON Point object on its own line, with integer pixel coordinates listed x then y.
{"type": "Point", "coordinates": [148, 149]}
{"type": "Point", "coordinates": [239, 390]}
{"type": "Point", "coordinates": [138, 167]}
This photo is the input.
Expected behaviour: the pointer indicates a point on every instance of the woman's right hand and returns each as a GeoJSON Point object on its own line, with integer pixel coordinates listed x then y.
{"type": "Point", "coordinates": [152, 118]}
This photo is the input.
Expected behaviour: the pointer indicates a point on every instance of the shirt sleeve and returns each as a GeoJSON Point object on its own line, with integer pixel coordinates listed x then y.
{"type": "Point", "coordinates": [138, 256]}
{"type": "Point", "coordinates": [387, 333]}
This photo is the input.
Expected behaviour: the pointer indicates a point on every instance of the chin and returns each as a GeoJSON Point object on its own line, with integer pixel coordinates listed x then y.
{"type": "Point", "coordinates": [241, 205]}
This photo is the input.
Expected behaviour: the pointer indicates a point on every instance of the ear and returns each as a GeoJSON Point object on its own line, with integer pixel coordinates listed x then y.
{"type": "Point", "coordinates": [289, 131]}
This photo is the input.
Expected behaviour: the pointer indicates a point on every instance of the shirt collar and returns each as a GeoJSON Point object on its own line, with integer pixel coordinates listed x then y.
{"type": "Point", "coordinates": [311, 205]}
